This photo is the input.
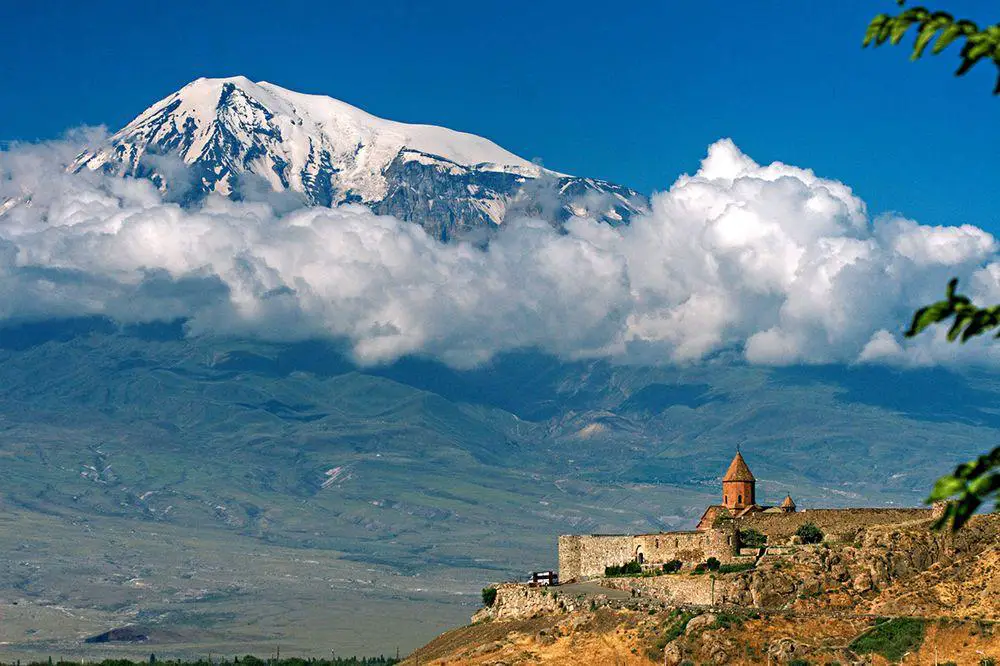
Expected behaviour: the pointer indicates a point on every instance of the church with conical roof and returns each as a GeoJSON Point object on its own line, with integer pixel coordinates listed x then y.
{"type": "Point", "coordinates": [715, 536]}
{"type": "Point", "coordinates": [720, 533]}
{"type": "Point", "coordinates": [739, 496]}
{"type": "Point", "coordinates": [738, 485]}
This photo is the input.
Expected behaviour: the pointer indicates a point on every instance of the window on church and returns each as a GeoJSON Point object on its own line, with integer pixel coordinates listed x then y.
{"type": "Point", "coordinates": [739, 499]}
{"type": "Point", "coordinates": [725, 499]}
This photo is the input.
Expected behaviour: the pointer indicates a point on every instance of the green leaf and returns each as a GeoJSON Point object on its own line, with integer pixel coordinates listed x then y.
{"type": "Point", "coordinates": [926, 316]}
{"type": "Point", "coordinates": [924, 38]}
{"type": "Point", "coordinates": [948, 35]}
{"type": "Point", "coordinates": [979, 49]}
{"type": "Point", "coordinates": [977, 324]}
{"type": "Point", "coordinates": [960, 320]}
{"type": "Point", "coordinates": [899, 28]}
{"type": "Point", "coordinates": [949, 291]}
{"type": "Point", "coordinates": [945, 487]}
{"type": "Point", "coordinates": [968, 27]}
{"type": "Point", "coordinates": [963, 511]}
{"type": "Point", "coordinates": [883, 33]}
{"type": "Point", "coordinates": [873, 28]}
{"type": "Point", "coordinates": [980, 486]}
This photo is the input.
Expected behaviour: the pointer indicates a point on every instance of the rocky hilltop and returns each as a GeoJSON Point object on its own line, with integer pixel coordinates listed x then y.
{"type": "Point", "coordinates": [886, 594]}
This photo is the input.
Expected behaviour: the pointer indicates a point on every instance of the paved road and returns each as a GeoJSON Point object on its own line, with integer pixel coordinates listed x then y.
{"type": "Point", "coordinates": [591, 589]}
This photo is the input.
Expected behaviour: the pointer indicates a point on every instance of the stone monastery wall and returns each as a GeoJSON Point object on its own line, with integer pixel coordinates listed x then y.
{"type": "Point", "coordinates": [586, 556]}
{"type": "Point", "coordinates": [672, 589]}
{"type": "Point", "coordinates": [583, 557]}
{"type": "Point", "coordinates": [836, 524]}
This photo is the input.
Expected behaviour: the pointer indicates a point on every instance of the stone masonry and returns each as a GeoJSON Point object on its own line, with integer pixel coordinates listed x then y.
{"type": "Point", "coordinates": [582, 557]}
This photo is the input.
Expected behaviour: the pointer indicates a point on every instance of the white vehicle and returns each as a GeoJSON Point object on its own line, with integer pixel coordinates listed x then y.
{"type": "Point", "coordinates": [544, 578]}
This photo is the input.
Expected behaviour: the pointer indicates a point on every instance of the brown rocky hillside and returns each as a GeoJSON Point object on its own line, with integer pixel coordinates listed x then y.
{"type": "Point", "coordinates": [893, 594]}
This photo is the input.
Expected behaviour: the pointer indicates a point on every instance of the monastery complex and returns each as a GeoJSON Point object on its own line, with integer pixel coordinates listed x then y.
{"type": "Point", "coordinates": [718, 531]}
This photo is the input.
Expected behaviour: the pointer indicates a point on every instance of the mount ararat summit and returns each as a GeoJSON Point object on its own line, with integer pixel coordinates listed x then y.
{"type": "Point", "coordinates": [228, 130]}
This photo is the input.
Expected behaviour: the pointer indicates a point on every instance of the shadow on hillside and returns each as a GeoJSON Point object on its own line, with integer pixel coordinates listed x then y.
{"type": "Point", "coordinates": [656, 398]}
{"type": "Point", "coordinates": [320, 358]}
{"type": "Point", "coordinates": [527, 384]}
{"type": "Point", "coordinates": [929, 394]}
{"type": "Point", "coordinates": [25, 335]}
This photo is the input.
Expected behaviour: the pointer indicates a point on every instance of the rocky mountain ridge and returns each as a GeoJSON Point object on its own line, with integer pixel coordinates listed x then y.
{"type": "Point", "coordinates": [236, 137]}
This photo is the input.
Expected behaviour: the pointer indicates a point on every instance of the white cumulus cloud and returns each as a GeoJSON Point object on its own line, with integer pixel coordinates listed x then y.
{"type": "Point", "coordinates": [774, 261]}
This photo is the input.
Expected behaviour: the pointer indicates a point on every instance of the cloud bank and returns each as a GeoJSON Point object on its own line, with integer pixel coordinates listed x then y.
{"type": "Point", "coordinates": [773, 261]}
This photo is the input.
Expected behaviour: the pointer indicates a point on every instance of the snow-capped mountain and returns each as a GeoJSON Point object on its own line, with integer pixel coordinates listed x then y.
{"type": "Point", "coordinates": [331, 152]}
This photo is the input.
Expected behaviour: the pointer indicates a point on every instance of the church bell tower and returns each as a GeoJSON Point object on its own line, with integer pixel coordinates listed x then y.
{"type": "Point", "coordinates": [738, 485]}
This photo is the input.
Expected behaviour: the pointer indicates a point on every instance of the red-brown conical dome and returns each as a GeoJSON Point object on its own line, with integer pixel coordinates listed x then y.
{"type": "Point", "coordinates": [738, 485]}
{"type": "Point", "coordinates": [738, 470]}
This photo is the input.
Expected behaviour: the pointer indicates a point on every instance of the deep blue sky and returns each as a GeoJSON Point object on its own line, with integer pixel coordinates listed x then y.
{"type": "Point", "coordinates": [632, 92]}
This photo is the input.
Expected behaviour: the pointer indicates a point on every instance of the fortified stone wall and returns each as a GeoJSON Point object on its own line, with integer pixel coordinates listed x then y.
{"type": "Point", "coordinates": [836, 524]}
{"type": "Point", "coordinates": [586, 556]}
{"type": "Point", "coordinates": [688, 547]}
{"type": "Point", "coordinates": [582, 557]}
{"type": "Point", "coordinates": [672, 589]}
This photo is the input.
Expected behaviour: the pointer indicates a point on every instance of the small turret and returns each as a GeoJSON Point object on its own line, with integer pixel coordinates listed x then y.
{"type": "Point", "coordinates": [787, 505]}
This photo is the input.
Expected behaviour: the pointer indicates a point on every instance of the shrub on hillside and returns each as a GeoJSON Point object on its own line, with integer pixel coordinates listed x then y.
{"type": "Point", "coordinates": [712, 564]}
{"type": "Point", "coordinates": [751, 538]}
{"type": "Point", "coordinates": [673, 566]}
{"type": "Point", "coordinates": [809, 533]}
{"type": "Point", "coordinates": [727, 620]}
{"type": "Point", "coordinates": [489, 596]}
{"type": "Point", "coordinates": [626, 569]}
{"type": "Point", "coordinates": [675, 624]}
{"type": "Point", "coordinates": [891, 638]}
{"type": "Point", "coordinates": [675, 628]}
{"type": "Point", "coordinates": [736, 568]}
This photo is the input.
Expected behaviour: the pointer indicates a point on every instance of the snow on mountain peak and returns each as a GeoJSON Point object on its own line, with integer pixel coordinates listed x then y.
{"type": "Point", "coordinates": [300, 130]}
{"type": "Point", "coordinates": [226, 129]}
